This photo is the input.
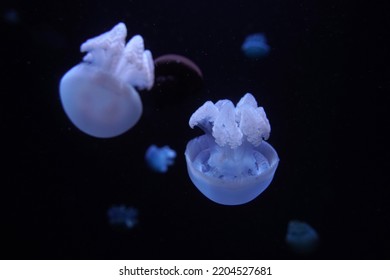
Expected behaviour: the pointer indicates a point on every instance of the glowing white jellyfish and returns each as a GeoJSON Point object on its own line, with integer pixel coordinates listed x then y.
{"type": "Point", "coordinates": [159, 159]}
{"type": "Point", "coordinates": [98, 95]}
{"type": "Point", "coordinates": [231, 164]}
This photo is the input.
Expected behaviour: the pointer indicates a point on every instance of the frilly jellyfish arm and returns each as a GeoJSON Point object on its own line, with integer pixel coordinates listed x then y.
{"type": "Point", "coordinates": [221, 120]}
{"type": "Point", "coordinates": [204, 117]}
{"type": "Point", "coordinates": [99, 95]}
{"type": "Point", "coordinates": [131, 63]}
{"type": "Point", "coordinates": [231, 164]}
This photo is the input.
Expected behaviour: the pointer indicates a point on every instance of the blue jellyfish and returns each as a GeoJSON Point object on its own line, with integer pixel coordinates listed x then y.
{"type": "Point", "coordinates": [159, 159]}
{"type": "Point", "coordinates": [122, 216]}
{"type": "Point", "coordinates": [255, 46]}
{"type": "Point", "coordinates": [301, 237]}
{"type": "Point", "coordinates": [231, 164]}
{"type": "Point", "coordinates": [98, 95]}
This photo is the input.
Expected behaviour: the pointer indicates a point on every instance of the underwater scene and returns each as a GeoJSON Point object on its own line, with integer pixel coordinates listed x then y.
{"type": "Point", "coordinates": [184, 130]}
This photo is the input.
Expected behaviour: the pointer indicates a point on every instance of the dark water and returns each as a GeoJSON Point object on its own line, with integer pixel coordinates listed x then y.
{"type": "Point", "coordinates": [315, 85]}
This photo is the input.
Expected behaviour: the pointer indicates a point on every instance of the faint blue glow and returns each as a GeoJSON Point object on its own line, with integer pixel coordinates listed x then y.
{"type": "Point", "coordinates": [301, 237]}
{"type": "Point", "coordinates": [11, 16]}
{"type": "Point", "coordinates": [122, 216]}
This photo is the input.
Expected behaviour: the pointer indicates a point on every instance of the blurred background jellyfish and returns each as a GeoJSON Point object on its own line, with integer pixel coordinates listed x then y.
{"type": "Point", "coordinates": [231, 164]}
{"type": "Point", "coordinates": [98, 95]}
{"type": "Point", "coordinates": [301, 237]}
{"type": "Point", "coordinates": [11, 16]}
{"type": "Point", "coordinates": [255, 46]}
{"type": "Point", "coordinates": [159, 159]}
{"type": "Point", "coordinates": [122, 216]}
{"type": "Point", "coordinates": [175, 77]}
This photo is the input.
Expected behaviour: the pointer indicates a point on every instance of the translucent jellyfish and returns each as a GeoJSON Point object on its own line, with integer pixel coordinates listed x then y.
{"type": "Point", "coordinates": [231, 164]}
{"type": "Point", "coordinates": [98, 95]}
{"type": "Point", "coordinates": [122, 216]}
{"type": "Point", "coordinates": [159, 159]}
{"type": "Point", "coordinates": [255, 46]}
{"type": "Point", "coordinates": [301, 237]}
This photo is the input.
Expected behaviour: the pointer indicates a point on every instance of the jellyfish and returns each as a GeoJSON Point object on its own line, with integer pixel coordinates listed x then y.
{"type": "Point", "coordinates": [99, 95]}
{"type": "Point", "coordinates": [177, 73]}
{"type": "Point", "coordinates": [255, 46]}
{"type": "Point", "coordinates": [301, 237]}
{"type": "Point", "coordinates": [159, 159]}
{"type": "Point", "coordinates": [231, 164]}
{"type": "Point", "coordinates": [122, 216]}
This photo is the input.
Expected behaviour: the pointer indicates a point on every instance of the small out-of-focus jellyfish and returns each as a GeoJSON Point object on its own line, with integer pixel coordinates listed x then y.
{"type": "Point", "coordinates": [176, 77]}
{"type": "Point", "coordinates": [301, 237]}
{"type": "Point", "coordinates": [122, 216]}
{"type": "Point", "coordinates": [231, 164]}
{"type": "Point", "coordinates": [98, 95]}
{"type": "Point", "coordinates": [159, 159]}
{"type": "Point", "coordinates": [255, 46]}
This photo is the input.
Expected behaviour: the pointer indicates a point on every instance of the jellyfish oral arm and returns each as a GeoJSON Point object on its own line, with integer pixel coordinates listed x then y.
{"type": "Point", "coordinates": [230, 125]}
{"type": "Point", "coordinates": [131, 62]}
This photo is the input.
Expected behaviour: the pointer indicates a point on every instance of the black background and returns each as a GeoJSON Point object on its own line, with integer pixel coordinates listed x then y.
{"type": "Point", "coordinates": [317, 85]}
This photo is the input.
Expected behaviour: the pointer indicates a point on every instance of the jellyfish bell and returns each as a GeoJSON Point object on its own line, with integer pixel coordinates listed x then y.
{"type": "Point", "coordinates": [176, 76]}
{"type": "Point", "coordinates": [92, 107]}
{"type": "Point", "coordinates": [99, 95]}
{"type": "Point", "coordinates": [235, 190]}
{"type": "Point", "coordinates": [231, 164]}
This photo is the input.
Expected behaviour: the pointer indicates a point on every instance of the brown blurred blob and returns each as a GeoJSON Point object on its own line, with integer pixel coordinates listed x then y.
{"type": "Point", "coordinates": [175, 77]}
